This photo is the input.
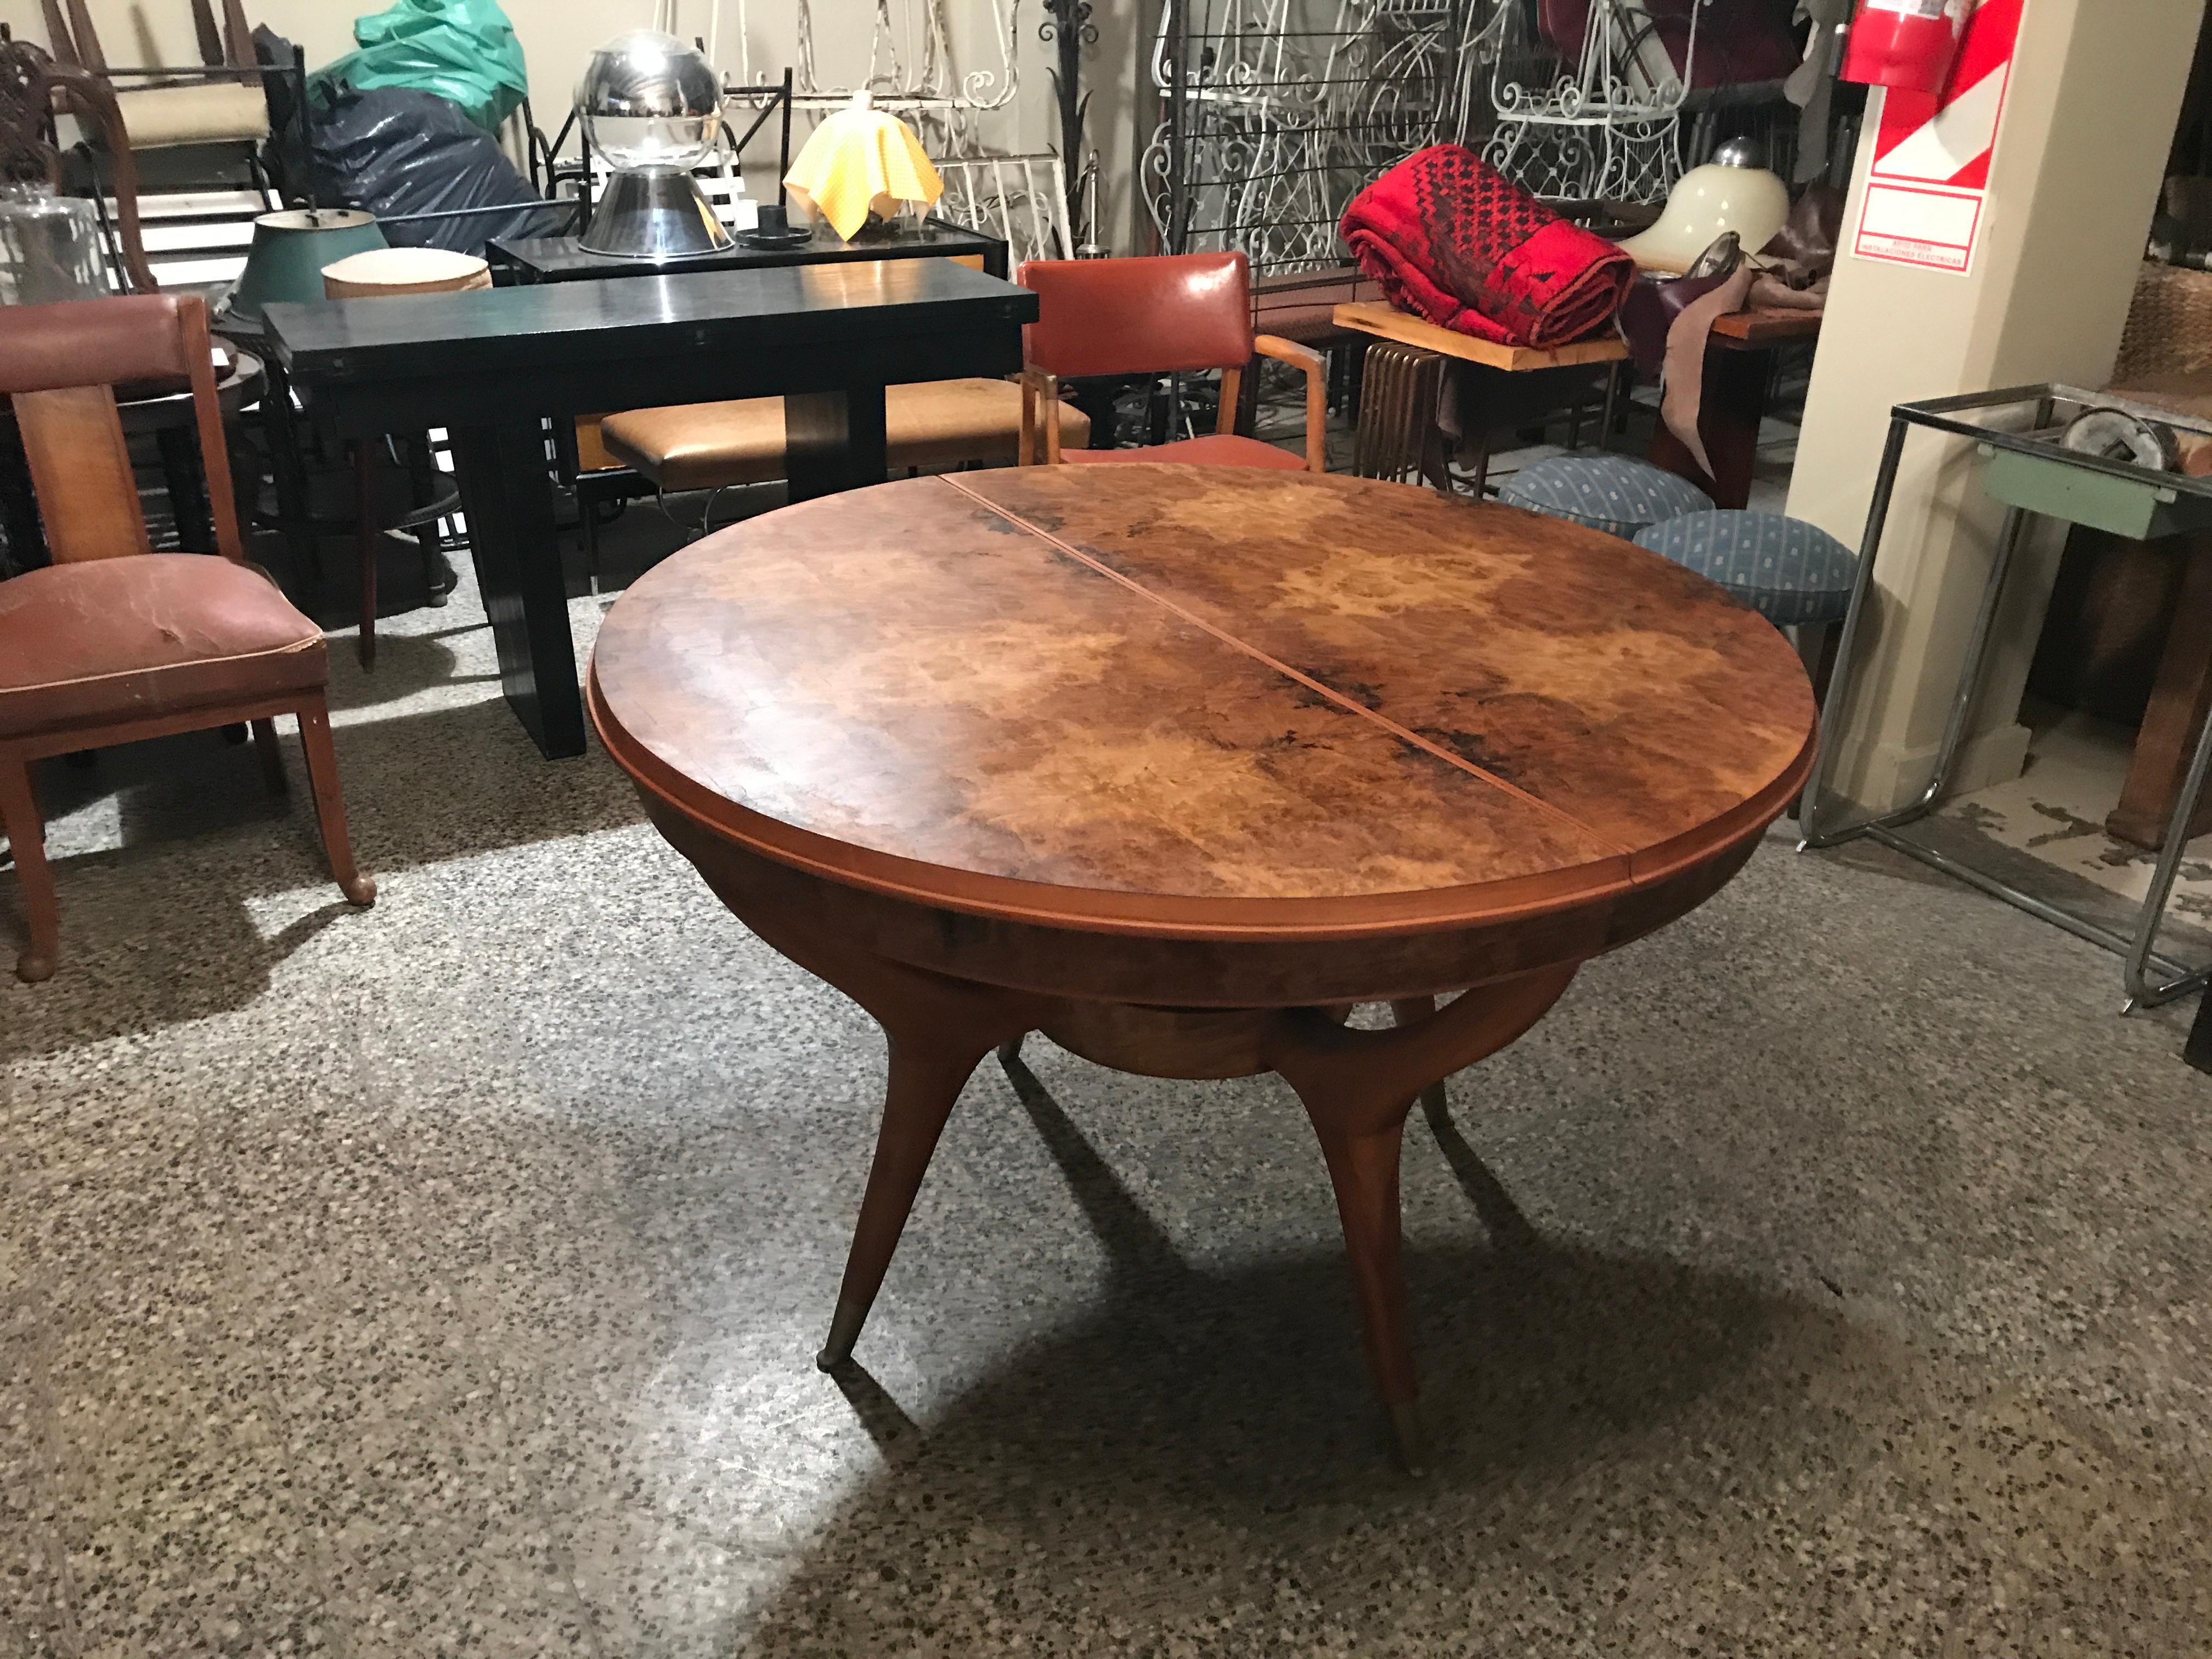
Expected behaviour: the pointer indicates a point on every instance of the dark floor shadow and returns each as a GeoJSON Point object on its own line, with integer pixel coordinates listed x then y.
{"type": "Point", "coordinates": [493, 789]}
{"type": "Point", "coordinates": [1509, 1230]}
{"type": "Point", "coordinates": [1135, 1244]}
{"type": "Point", "coordinates": [406, 665]}
{"type": "Point", "coordinates": [1194, 1433]}
{"type": "Point", "coordinates": [1198, 1426]}
{"type": "Point", "coordinates": [893, 1431]}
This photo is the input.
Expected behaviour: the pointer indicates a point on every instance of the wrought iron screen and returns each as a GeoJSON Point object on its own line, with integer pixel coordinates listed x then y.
{"type": "Point", "coordinates": [1278, 111]}
{"type": "Point", "coordinates": [1020, 199]}
{"type": "Point", "coordinates": [1598, 123]}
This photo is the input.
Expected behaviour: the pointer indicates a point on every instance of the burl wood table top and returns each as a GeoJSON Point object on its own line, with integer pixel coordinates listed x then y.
{"type": "Point", "coordinates": [1188, 701]}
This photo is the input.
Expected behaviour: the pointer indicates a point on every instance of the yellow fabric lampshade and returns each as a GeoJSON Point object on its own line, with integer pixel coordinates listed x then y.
{"type": "Point", "coordinates": [861, 160]}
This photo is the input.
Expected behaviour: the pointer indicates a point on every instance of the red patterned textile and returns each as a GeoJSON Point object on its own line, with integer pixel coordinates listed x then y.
{"type": "Point", "coordinates": [1451, 239]}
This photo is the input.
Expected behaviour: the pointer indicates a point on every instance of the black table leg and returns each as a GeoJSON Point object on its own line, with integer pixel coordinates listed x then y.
{"type": "Point", "coordinates": [182, 472]}
{"type": "Point", "coordinates": [507, 492]}
{"type": "Point", "coordinates": [833, 440]}
{"type": "Point", "coordinates": [286, 437]}
{"type": "Point", "coordinates": [19, 508]}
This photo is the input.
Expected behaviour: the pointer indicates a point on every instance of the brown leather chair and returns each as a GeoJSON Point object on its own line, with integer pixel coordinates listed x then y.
{"type": "Point", "coordinates": [1174, 314]}
{"type": "Point", "coordinates": [113, 643]}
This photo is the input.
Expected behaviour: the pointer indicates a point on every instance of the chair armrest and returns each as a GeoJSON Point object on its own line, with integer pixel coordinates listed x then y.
{"type": "Point", "coordinates": [1039, 388]}
{"type": "Point", "coordinates": [1288, 351]}
{"type": "Point", "coordinates": [1308, 361]}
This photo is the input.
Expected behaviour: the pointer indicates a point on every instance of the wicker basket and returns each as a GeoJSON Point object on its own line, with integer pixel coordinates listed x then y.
{"type": "Point", "coordinates": [2169, 326]}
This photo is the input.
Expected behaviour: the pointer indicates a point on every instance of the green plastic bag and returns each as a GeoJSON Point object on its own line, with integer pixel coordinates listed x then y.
{"type": "Point", "coordinates": [465, 50]}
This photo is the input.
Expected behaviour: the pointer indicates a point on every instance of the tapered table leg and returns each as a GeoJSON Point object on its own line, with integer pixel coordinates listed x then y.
{"type": "Point", "coordinates": [922, 1090]}
{"type": "Point", "coordinates": [507, 495]}
{"type": "Point", "coordinates": [833, 440]}
{"type": "Point", "coordinates": [939, 1030]}
{"type": "Point", "coordinates": [1357, 1087]}
{"type": "Point", "coordinates": [1364, 1170]}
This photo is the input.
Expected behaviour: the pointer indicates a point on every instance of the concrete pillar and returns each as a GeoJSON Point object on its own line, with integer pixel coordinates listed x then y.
{"type": "Point", "coordinates": [2089, 117]}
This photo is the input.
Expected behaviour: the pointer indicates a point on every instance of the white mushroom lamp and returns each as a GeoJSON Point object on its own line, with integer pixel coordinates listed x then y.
{"type": "Point", "coordinates": [1732, 192]}
{"type": "Point", "coordinates": [652, 107]}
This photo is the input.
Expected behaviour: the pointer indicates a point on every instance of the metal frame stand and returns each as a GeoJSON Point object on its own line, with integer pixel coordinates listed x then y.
{"type": "Point", "coordinates": [2139, 952]}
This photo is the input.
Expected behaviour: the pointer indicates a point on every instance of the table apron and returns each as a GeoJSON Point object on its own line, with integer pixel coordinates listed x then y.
{"type": "Point", "coordinates": [370, 408]}
{"type": "Point", "coordinates": [1250, 972]}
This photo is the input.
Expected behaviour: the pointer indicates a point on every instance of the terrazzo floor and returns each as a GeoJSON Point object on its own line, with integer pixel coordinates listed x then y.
{"type": "Point", "coordinates": [1827, 1275]}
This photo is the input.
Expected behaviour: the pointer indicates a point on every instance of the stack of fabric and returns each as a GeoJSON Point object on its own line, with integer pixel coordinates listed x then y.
{"type": "Point", "coordinates": [1450, 239]}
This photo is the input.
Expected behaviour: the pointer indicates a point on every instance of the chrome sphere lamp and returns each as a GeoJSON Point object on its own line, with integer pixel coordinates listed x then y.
{"type": "Point", "coordinates": [652, 106]}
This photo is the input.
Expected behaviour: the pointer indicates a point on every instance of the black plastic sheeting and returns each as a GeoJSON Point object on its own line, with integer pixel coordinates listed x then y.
{"type": "Point", "coordinates": [395, 150]}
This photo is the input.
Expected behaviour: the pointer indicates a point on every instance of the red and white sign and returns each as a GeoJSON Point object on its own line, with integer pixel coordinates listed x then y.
{"type": "Point", "coordinates": [1929, 187]}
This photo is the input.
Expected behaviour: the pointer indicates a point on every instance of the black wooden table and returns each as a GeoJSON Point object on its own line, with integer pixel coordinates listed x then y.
{"type": "Point", "coordinates": [490, 366]}
{"type": "Point", "coordinates": [520, 259]}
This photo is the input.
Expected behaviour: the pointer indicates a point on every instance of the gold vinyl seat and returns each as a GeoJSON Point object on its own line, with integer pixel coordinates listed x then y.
{"type": "Point", "coordinates": [932, 424]}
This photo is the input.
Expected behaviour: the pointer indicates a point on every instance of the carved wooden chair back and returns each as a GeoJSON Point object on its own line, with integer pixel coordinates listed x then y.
{"type": "Point", "coordinates": [34, 88]}
{"type": "Point", "coordinates": [60, 366]}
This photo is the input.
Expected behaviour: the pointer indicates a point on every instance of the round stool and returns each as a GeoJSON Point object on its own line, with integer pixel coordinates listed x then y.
{"type": "Point", "coordinates": [1613, 493]}
{"type": "Point", "coordinates": [1793, 573]}
{"type": "Point", "coordinates": [389, 273]}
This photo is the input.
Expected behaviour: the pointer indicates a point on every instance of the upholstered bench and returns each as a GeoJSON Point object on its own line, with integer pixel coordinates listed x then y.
{"type": "Point", "coordinates": [1616, 494]}
{"type": "Point", "coordinates": [935, 423]}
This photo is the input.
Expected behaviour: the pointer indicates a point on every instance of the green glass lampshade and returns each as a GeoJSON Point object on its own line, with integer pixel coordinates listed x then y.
{"type": "Point", "coordinates": [287, 256]}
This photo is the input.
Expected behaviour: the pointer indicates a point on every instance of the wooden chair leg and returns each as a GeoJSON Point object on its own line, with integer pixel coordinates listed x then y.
{"type": "Point", "coordinates": [366, 537]}
{"type": "Point", "coordinates": [272, 758]}
{"type": "Point", "coordinates": [329, 805]}
{"type": "Point", "coordinates": [26, 835]}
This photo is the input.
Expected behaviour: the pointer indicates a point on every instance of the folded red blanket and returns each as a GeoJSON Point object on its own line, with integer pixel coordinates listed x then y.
{"type": "Point", "coordinates": [1451, 239]}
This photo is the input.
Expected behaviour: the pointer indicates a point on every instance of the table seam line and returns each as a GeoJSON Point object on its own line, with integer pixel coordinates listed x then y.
{"type": "Point", "coordinates": [1402, 734]}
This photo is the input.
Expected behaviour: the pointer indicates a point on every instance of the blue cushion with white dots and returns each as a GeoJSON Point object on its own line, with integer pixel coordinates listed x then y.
{"type": "Point", "coordinates": [1787, 570]}
{"type": "Point", "coordinates": [1616, 494]}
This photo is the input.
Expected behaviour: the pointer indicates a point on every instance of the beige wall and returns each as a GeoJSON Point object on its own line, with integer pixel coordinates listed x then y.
{"type": "Point", "coordinates": [2096, 88]}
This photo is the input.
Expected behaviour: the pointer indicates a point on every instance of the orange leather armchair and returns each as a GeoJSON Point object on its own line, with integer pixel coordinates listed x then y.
{"type": "Point", "coordinates": [1170, 315]}
{"type": "Point", "coordinates": [112, 642]}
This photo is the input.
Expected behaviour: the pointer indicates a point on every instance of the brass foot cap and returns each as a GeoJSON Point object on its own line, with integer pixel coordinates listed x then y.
{"type": "Point", "coordinates": [844, 1331]}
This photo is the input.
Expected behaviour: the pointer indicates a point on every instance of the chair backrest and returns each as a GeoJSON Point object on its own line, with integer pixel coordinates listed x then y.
{"type": "Point", "coordinates": [59, 366]}
{"type": "Point", "coordinates": [75, 41]}
{"type": "Point", "coordinates": [1160, 315]}
{"type": "Point", "coordinates": [32, 86]}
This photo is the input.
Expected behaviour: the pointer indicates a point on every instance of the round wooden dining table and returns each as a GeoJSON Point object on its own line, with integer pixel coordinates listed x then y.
{"type": "Point", "coordinates": [1177, 764]}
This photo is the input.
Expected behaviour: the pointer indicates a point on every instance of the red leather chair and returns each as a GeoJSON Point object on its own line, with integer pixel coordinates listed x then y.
{"type": "Point", "coordinates": [112, 642]}
{"type": "Point", "coordinates": [1178, 313]}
